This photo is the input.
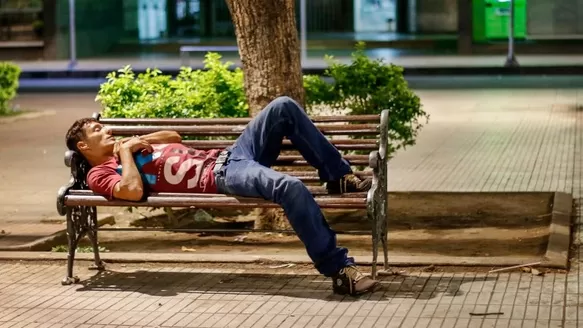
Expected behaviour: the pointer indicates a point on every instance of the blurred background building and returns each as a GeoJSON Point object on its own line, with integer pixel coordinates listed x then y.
{"type": "Point", "coordinates": [39, 29]}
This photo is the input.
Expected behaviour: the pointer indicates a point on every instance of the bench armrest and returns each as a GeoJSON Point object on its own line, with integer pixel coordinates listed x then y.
{"type": "Point", "coordinates": [79, 169]}
{"type": "Point", "coordinates": [376, 199]}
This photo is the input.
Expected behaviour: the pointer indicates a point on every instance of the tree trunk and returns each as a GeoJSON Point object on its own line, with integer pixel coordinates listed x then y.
{"type": "Point", "coordinates": [267, 38]}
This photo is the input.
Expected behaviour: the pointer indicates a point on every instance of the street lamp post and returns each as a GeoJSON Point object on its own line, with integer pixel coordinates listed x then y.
{"type": "Point", "coordinates": [303, 31]}
{"type": "Point", "coordinates": [511, 58]}
{"type": "Point", "coordinates": [72, 36]}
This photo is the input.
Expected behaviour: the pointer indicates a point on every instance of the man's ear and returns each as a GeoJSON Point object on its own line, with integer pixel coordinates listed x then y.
{"type": "Point", "coordinates": [82, 146]}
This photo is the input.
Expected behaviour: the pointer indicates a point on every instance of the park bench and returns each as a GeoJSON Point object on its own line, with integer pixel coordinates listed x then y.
{"type": "Point", "coordinates": [79, 204]}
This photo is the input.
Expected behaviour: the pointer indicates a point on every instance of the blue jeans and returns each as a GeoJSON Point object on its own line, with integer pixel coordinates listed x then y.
{"type": "Point", "coordinates": [247, 173]}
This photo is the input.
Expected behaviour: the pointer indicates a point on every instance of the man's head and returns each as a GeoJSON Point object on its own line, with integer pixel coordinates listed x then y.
{"type": "Point", "coordinates": [88, 137]}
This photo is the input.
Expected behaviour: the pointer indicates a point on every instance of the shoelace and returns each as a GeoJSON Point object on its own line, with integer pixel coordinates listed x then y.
{"type": "Point", "coordinates": [350, 178]}
{"type": "Point", "coordinates": [353, 273]}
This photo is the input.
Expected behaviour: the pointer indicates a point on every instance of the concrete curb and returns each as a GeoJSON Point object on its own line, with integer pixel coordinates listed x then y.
{"type": "Point", "coordinates": [57, 238]}
{"type": "Point", "coordinates": [239, 257]}
{"type": "Point", "coordinates": [557, 254]}
{"type": "Point", "coordinates": [26, 116]}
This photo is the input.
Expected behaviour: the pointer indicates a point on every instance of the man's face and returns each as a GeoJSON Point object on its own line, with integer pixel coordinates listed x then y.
{"type": "Point", "coordinates": [98, 140]}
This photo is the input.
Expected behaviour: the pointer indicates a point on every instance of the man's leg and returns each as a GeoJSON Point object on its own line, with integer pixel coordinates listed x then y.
{"type": "Point", "coordinates": [247, 174]}
{"type": "Point", "coordinates": [248, 178]}
{"type": "Point", "coordinates": [283, 117]}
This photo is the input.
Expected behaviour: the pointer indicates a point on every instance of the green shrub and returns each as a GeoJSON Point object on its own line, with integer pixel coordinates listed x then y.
{"type": "Point", "coordinates": [80, 249]}
{"type": "Point", "coordinates": [368, 86]}
{"type": "Point", "coordinates": [365, 86]}
{"type": "Point", "coordinates": [9, 75]}
{"type": "Point", "coordinates": [213, 92]}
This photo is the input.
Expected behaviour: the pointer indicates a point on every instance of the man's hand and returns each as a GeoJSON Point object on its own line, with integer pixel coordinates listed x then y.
{"type": "Point", "coordinates": [132, 144]}
{"type": "Point", "coordinates": [160, 137]}
{"type": "Point", "coordinates": [117, 146]}
{"type": "Point", "coordinates": [131, 186]}
{"type": "Point", "coordinates": [136, 143]}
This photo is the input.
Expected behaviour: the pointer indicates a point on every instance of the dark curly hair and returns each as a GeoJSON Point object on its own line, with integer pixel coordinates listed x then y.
{"type": "Point", "coordinates": [76, 133]}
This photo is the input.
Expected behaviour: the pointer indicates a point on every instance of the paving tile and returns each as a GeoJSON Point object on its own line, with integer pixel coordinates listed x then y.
{"type": "Point", "coordinates": [396, 322]}
{"type": "Point", "coordinates": [489, 323]}
{"type": "Point", "coordinates": [462, 322]}
{"type": "Point", "coordinates": [502, 323]}
{"type": "Point", "coordinates": [422, 323]}
{"type": "Point", "coordinates": [251, 320]}
{"type": "Point", "coordinates": [237, 320]}
{"type": "Point", "coordinates": [212, 321]}
{"type": "Point", "coordinates": [514, 140]}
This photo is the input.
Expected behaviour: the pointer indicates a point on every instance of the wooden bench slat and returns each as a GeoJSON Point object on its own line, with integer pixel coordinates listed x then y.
{"type": "Point", "coordinates": [341, 144]}
{"type": "Point", "coordinates": [235, 130]}
{"type": "Point", "coordinates": [312, 176]}
{"type": "Point", "coordinates": [188, 200]}
{"type": "Point", "coordinates": [318, 192]}
{"type": "Point", "coordinates": [227, 121]}
{"type": "Point", "coordinates": [299, 158]}
{"type": "Point", "coordinates": [358, 162]}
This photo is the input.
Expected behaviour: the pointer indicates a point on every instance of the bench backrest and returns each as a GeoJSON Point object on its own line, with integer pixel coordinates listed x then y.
{"type": "Point", "coordinates": [361, 138]}
{"type": "Point", "coordinates": [219, 133]}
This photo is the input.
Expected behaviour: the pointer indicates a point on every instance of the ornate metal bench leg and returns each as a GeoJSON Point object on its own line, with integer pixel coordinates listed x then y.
{"type": "Point", "coordinates": [382, 197]}
{"type": "Point", "coordinates": [384, 226]}
{"type": "Point", "coordinates": [375, 243]}
{"type": "Point", "coordinates": [73, 240]}
{"type": "Point", "coordinates": [384, 240]}
{"type": "Point", "coordinates": [372, 207]}
{"type": "Point", "coordinates": [92, 233]}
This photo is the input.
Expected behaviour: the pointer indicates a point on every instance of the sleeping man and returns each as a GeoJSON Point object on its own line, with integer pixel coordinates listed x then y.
{"type": "Point", "coordinates": [126, 169]}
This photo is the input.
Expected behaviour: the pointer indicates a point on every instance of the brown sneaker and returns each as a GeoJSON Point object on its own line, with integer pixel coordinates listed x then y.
{"type": "Point", "coordinates": [349, 183]}
{"type": "Point", "coordinates": [351, 281]}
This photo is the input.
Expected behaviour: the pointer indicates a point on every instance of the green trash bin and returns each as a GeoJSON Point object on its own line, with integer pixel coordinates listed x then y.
{"type": "Point", "coordinates": [491, 19]}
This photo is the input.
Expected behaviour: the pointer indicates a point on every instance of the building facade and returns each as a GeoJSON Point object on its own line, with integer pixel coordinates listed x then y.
{"type": "Point", "coordinates": [40, 28]}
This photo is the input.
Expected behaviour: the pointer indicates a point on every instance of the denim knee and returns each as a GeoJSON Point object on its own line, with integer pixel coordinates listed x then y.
{"type": "Point", "coordinates": [285, 104]}
{"type": "Point", "coordinates": [283, 100]}
{"type": "Point", "coordinates": [289, 190]}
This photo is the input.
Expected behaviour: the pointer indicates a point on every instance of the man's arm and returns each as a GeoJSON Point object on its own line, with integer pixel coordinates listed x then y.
{"type": "Point", "coordinates": [130, 187]}
{"type": "Point", "coordinates": [160, 137]}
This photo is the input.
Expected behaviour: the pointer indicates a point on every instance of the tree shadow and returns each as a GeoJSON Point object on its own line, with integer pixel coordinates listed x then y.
{"type": "Point", "coordinates": [313, 286]}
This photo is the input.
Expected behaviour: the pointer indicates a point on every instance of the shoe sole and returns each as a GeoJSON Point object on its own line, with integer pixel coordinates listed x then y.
{"type": "Point", "coordinates": [371, 289]}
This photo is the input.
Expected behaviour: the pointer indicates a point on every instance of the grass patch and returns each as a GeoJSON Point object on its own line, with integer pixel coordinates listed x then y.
{"type": "Point", "coordinates": [10, 113]}
{"type": "Point", "coordinates": [80, 249]}
{"type": "Point", "coordinates": [13, 111]}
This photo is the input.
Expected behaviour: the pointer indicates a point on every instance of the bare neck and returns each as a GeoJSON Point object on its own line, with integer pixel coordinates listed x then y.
{"type": "Point", "coordinates": [97, 160]}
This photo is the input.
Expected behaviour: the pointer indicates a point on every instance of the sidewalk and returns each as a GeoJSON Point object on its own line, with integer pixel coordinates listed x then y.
{"type": "Point", "coordinates": [32, 169]}
{"type": "Point", "coordinates": [413, 64]}
{"type": "Point", "coordinates": [477, 140]}
{"type": "Point", "coordinates": [194, 296]}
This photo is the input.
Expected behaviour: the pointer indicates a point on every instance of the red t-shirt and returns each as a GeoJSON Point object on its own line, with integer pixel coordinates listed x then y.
{"type": "Point", "coordinates": [169, 168]}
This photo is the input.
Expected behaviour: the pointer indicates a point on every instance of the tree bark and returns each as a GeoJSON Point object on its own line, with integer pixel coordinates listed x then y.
{"type": "Point", "coordinates": [267, 38]}
{"type": "Point", "coordinates": [268, 43]}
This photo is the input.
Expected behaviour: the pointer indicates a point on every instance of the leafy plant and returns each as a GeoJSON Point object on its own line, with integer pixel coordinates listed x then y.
{"type": "Point", "coordinates": [213, 92]}
{"type": "Point", "coordinates": [368, 86]}
{"type": "Point", "coordinates": [365, 86]}
{"type": "Point", "coordinates": [9, 75]}
{"type": "Point", "coordinates": [80, 249]}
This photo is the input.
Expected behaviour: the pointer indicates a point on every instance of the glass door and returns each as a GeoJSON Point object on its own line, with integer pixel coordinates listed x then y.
{"type": "Point", "coordinates": [374, 15]}
{"type": "Point", "coordinates": [187, 18]}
